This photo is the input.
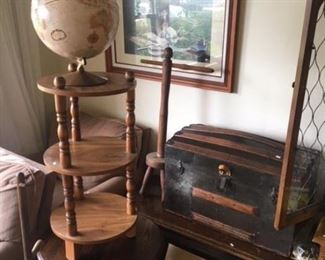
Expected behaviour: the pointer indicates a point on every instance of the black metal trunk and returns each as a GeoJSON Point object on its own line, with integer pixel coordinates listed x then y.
{"type": "Point", "coordinates": [228, 180]}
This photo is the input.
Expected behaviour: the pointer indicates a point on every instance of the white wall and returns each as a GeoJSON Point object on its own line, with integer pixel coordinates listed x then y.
{"type": "Point", "coordinates": [268, 46]}
{"type": "Point", "coordinates": [50, 63]}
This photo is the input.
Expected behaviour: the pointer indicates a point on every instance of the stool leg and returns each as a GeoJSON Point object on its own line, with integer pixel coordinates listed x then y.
{"type": "Point", "coordinates": [162, 184]}
{"type": "Point", "coordinates": [145, 180]}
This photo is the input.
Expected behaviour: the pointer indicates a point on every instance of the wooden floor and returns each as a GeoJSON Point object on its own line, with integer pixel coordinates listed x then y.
{"type": "Point", "coordinates": [120, 249]}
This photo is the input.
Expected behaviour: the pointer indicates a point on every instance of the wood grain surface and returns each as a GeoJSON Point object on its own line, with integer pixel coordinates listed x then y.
{"type": "Point", "coordinates": [116, 84]}
{"type": "Point", "coordinates": [224, 201]}
{"type": "Point", "coordinates": [91, 156]}
{"type": "Point", "coordinates": [154, 161]}
{"type": "Point", "coordinates": [101, 217]}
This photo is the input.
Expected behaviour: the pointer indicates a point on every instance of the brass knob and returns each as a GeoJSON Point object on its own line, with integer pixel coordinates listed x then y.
{"type": "Point", "coordinates": [224, 170]}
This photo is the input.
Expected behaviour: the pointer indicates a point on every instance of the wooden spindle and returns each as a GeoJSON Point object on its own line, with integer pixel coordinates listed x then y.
{"type": "Point", "coordinates": [130, 146]}
{"type": "Point", "coordinates": [69, 205]}
{"type": "Point", "coordinates": [76, 136]}
{"type": "Point", "coordinates": [65, 159]}
{"type": "Point", "coordinates": [78, 188]}
{"type": "Point", "coordinates": [62, 130]}
{"type": "Point", "coordinates": [75, 121]}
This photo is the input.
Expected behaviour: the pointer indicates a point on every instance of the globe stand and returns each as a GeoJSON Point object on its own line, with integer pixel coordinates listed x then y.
{"type": "Point", "coordinates": [78, 77]}
{"type": "Point", "coordinates": [97, 218]}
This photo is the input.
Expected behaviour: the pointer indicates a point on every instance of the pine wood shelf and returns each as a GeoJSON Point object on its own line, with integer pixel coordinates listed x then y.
{"type": "Point", "coordinates": [116, 85]}
{"type": "Point", "coordinates": [91, 156]}
{"type": "Point", "coordinates": [101, 217]}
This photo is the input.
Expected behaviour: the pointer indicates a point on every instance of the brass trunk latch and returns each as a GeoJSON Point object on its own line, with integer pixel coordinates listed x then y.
{"type": "Point", "coordinates": [225, 176]}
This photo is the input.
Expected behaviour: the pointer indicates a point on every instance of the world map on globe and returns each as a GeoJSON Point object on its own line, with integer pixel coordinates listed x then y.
{"type": "Point", "coordinates": [76, 28]}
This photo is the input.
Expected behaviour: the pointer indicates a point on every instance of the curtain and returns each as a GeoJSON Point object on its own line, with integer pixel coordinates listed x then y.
{"type": "Point", "coordinates": [22, 106]}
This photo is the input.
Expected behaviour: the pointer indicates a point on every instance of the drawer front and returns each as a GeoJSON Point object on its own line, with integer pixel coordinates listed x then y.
{"type": "Point", "coordinates": [234, 199]}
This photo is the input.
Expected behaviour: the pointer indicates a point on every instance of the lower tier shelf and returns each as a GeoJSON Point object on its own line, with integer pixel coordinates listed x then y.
{"type": "Point", "coordinates": [101, 217]}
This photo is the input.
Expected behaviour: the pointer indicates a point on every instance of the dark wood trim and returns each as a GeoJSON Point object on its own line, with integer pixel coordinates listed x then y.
{"type": "Point", "coordinates": [225, 202]}
{"type": "Point", "coordinates": [223, 227]}
{"type": "Point", "coordinates": [304, 213]}
{"type": "Point", "coordinates": [310, 21]}
{"type": "Point", "coordinates": [255, 166]}
{"type": "Point", "coordinates": [225, 86]}
{"type": "Point", "coordinates": [211, 130]}
{"type": "Point", "coordinates": [180, 66]}
{"type": "Point", "coordinates": [231, 145]}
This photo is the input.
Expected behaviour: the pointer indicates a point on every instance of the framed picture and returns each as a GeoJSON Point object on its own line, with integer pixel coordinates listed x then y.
{"type": "Point", "coordinates": [200, 32]}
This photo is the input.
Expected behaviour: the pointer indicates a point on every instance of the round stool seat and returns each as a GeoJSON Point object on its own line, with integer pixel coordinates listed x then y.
{"type": "Point", "coordinates": [153, 161]}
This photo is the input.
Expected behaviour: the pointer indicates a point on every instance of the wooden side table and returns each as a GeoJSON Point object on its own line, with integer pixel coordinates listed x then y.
{"type": "Point", "coordinates": [93, 218]}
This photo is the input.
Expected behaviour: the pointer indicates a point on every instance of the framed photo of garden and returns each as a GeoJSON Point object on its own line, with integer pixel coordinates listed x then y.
{"type": "Point", "coordinates": [200, 32]}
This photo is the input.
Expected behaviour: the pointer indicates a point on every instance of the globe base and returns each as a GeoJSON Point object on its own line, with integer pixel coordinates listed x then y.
{"type": "Point", "coordinates": [83, 78]}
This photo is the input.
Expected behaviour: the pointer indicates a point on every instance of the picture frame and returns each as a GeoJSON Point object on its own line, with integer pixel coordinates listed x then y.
{"type": "Point", "coordinates": [201, 33]}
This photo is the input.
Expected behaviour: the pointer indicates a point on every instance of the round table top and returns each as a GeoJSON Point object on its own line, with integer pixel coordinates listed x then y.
{"type": "Point", "coordinates": [91, 156]}
{"type": "Point", "coordinates": [116, 84]}
{"type": "Point", "coordinates": [101, 217]}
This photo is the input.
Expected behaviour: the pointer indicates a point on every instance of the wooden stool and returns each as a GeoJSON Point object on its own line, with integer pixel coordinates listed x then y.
{"type": "Point", "coordinates": [156, 160]}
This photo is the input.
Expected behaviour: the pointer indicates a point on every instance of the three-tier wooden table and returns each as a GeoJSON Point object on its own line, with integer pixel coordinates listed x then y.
{"type": "Point", "coordinates": [90, 218]}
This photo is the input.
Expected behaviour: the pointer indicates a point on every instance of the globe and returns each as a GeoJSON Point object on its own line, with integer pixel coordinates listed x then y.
{"type": "Point", "coordinates": [75, 28]}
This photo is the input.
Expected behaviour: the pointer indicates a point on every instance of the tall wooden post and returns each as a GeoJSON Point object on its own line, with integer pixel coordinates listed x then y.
{"type": "Point", "coordinates": [130, 146]}
{"type": "Point", "coordinates": [157, 160]}
{"type": "Point", "coordinates": [163, 115]}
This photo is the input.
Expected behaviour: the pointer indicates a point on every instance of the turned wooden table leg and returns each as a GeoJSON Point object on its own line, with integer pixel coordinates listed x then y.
{"type": "Point", "coordinates": [69, 205]}
{"type": "Point", "coordinates": [75, 121]}
{"type": "Point", "coordinates": [71, 250]}
{"type": "Point", "coordinates": [65, 161]}
{"type": "Point", "coordinates": [62, 130]}
{"type": "Point", "coordinates": [78, 188]}
{"type": "Point", "coordinates": [76, 136]}
{"type": "Point", "coordinates": [130, 147]}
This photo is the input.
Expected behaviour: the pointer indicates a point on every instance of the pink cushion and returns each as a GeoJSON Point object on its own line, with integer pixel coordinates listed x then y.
{"type": "Point", "coordinates": [10, 234]}
{"type": "Point", "coordinates": [100, 126]}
